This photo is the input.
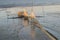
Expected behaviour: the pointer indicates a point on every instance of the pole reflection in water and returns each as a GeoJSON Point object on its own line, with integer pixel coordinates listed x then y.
{"type": "Point", "coordinates": [33, 32]}
{"type": "Point", "coordinates": [25, 23]}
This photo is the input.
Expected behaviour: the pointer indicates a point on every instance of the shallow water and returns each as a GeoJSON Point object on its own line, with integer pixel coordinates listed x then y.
{"type": "Point", "coordinates": [51, 22]}
{"type": "Point", "coordinates": [12, 27]}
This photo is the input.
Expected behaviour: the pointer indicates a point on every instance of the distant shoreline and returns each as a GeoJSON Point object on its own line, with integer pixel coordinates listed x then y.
{"type": "Point", "coordinates": [13, 5]}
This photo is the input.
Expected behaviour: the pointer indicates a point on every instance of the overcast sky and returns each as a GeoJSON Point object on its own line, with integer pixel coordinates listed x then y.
{"type": "Point", "coordinates": [4, 2]}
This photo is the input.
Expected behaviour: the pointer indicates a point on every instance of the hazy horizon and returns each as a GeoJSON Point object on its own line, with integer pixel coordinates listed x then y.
{"type": "Point", "coordinates": [13, 3]}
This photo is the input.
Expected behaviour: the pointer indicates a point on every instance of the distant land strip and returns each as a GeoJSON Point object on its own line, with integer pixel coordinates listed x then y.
{"type": "Point", "coordinates": [24, 5]}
